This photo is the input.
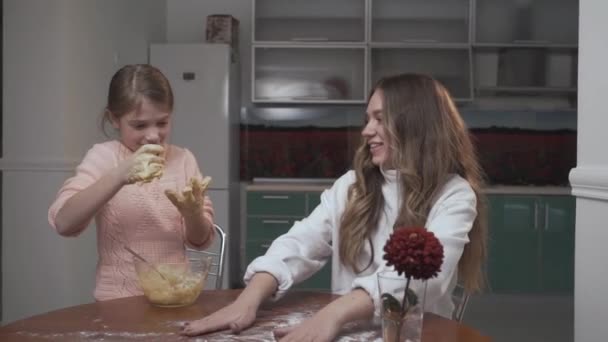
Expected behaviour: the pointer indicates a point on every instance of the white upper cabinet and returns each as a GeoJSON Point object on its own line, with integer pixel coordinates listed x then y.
{"type": "Point", "coordinates": [309, 21]}
{"type": "Point", "coordinates": [526, 47]}
{"type": "Point", "coordinates": [527, 23]}
{"type": "Point", "coordinates": [308, 74]}
{"type": "Point", "coordinates": [332, 51]}
{"type": "Point", "coordinates": [451, 67]}
{"type": "Point", "coordinates": [420, 21]}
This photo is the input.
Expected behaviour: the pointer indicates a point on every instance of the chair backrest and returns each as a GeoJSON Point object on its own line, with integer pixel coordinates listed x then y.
{"type": "Point", "coordinates": [218, 254]}
{"type": "Point", "coordinates": [460, 297]}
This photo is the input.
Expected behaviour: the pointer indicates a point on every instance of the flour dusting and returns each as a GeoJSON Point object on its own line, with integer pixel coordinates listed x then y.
{"type": "Point", "coordinates": [103, 336]}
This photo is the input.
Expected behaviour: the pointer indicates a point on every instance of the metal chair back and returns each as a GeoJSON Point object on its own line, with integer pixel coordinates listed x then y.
{"type": "Point", "coordinates": [218, 255]}
{"type": "Point", "coordinates": [460, 297]}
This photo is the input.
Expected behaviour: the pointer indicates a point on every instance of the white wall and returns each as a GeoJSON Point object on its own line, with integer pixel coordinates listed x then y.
{"type": "Point", "coordinates": [58, 59]}
{"type": "Point", "coordinates": [590, 178]}
{"type": "Point", "coordinates": [186, 22]}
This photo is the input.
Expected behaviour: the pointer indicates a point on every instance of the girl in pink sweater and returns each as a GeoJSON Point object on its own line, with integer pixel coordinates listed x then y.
{"type": "Point", "coordinates": [142, 191]}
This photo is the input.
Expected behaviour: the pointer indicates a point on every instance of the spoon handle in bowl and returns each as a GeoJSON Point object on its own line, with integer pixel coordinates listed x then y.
{"type": "Point", "coordinates": [135, 254]}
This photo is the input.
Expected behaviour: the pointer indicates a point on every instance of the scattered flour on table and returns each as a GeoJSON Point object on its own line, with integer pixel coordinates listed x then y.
{"type": "Point", "coordinates": [104, 336]}
{"type": "Point", "coordinates": [262, 331]}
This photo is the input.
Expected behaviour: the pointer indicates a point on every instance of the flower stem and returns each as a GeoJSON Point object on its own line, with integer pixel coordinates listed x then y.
{"type": "Point", "coordinates": [403, 305]}
{"type": "Point", "coordinates": [403, 309]}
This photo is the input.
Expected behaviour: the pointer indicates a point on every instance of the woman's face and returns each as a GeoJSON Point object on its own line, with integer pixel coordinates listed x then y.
{"type": "Point", "coordinates": [145, 125]}
{"type": "Point", "coordinates": [374, 132]}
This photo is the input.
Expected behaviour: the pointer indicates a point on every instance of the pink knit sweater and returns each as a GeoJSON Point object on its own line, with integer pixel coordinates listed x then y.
{"type": "Point", "coordinates": [138, 215]}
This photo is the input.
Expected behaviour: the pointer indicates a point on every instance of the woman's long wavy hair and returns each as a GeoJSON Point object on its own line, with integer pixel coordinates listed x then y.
{"type": "Point", "coordinates": [428, 141]}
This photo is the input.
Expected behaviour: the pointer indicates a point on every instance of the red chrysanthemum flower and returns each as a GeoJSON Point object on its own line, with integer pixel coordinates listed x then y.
{"type": "Point", "coordinates": [415, 252]}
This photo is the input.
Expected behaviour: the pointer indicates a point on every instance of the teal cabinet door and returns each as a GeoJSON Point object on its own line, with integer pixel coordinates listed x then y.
{"type": "Point", "coordinates": [513, 256]}
{"type": "Point", "coordinates": [268, 228]}
{"type": "Point", "coordinates": [255, 248]}
{"type": "Point", "coordinates": [276, 203]}
{"type": "Point", "coordinates": [558, 243]}
{"type": "Point", "coordinates": [271, 214]}
{"type": "Point", "coordinates": [313, 200]}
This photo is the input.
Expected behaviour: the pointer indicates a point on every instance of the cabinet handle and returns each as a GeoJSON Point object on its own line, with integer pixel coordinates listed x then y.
{"type": "Point", "coordinates": [422, 41]}
{"type": "Point", "coordinates": [275, 197]}
{"type": "Point", "coordinates": [535, 215]}
{"type": "Point", "coordinates": [310, 98]}
{"type": "Point", "coordinates": [309, 39]}
{"type": "Point", "coordinates": [530, 41]}
{"type": "Point", "coordinates": [275, 221]}
{"type": "Point", "coordinates": [546, 217]}
{"type": "Point", "coordinates": [265, 245]}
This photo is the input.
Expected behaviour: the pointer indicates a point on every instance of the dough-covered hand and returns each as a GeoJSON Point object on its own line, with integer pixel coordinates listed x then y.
{"type": "Point", "coordinates": [191, 200]}
{"type": "Point", "coordinates": [147, 164]}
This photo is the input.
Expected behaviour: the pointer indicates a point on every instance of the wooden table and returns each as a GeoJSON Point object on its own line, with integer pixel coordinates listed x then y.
{"type": "Point", "coordinates": [134, 319]}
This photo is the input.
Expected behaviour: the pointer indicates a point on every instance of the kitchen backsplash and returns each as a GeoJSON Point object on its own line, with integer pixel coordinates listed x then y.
{"type": "Point", "coordinates": [515, 148]}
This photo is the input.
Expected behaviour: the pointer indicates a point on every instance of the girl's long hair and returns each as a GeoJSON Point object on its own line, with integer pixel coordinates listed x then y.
{"type": "Point", "coordinates": [428, 141]}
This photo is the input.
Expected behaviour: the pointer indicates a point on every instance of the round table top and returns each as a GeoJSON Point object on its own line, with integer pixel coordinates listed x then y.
{"type": "Point", "coordinates": [133, 318]}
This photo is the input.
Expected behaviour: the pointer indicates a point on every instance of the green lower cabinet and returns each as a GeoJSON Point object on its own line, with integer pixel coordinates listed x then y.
{"type": "Point", "coordinates": [531, 244]}
{"type": "Point", "coordinates": [558, 244]}
{"type": "Point", "coordinates": [313, 199]}
{"type": "Point", "coordinates": [256, 248]}
{"type": "Point", "coordinates": [276, 203]}
{"type": "Point", "coordinates": [271, 214]}
{"type": "Point", "coordinates": [513, 258]}
{"type": "Point", "coordinates": [268, 228]}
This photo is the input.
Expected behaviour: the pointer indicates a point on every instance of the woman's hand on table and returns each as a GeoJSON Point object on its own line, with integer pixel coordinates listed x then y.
{"type": "Point", "coordinates": [325, 325]}
{"type": "Point", "coordinates": [236, 317]}
{"type": "Point", "coordinates": [241, 313]}
{"type": "Point", "coordinates": [319, 328]}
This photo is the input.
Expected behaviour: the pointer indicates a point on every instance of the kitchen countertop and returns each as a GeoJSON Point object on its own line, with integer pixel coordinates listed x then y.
{"type": "Point", "coordinates": [313, 185]}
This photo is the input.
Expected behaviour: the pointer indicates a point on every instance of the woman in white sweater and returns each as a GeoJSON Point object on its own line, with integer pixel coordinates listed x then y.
{"type": "Point", "coordinates": [416, 166]}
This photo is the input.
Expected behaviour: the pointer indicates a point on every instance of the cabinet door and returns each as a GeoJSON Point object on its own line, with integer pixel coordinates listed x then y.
{"type": "Point", "coordinates": [268, 228]}
{"type": "Point", "coordinates": [451, 67]}
{"type": "Point", "coordinates": [309, 74]}
{"type": "Point", "coordinates": [256, 248]}
{"type": "Point", "coordinates": [309, 21]}
{"type": "Point", "coordinates": [420, 21]}
{"type": "Point", "coordinates": [313, 199]}
{"type": "Point", "coordinates": [276, 203]}
{"type": "Point", "coordinates": [513, 264]}
{"type": "Point", "coordinates": [558, 243]}
{"type": "Point", "coordinates": [533, 21]}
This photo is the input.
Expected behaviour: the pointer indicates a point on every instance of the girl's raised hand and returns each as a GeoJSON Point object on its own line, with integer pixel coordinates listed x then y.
{"type": "Point", "coordinates": [146, 164]}
{"type": "Point", "coordinates": [191, 200]}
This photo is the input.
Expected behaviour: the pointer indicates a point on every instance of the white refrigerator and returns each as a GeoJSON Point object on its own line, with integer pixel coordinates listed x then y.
{"type": "Point", "coordinates": [206, 90]}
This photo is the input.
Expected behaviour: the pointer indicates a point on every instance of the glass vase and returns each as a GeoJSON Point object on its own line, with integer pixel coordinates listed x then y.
{"type": "Point", "coordinates": [402, 309]}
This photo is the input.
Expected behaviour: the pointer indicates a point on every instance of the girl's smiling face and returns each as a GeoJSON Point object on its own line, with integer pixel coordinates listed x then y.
{"type": "Point", "coordinates": [374, 132]}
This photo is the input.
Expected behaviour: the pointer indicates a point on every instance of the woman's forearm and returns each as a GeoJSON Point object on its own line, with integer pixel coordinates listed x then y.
{"type": "Point", "coordinates": [353, 306]}
{"type": "Point", "coordinates": [83, 206]}
{"type": "Point", "coordinates": [260, 288]}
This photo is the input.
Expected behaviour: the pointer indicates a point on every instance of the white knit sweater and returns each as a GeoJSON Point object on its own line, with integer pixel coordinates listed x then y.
{"type": "Point", "coordinates": [298, 254]}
